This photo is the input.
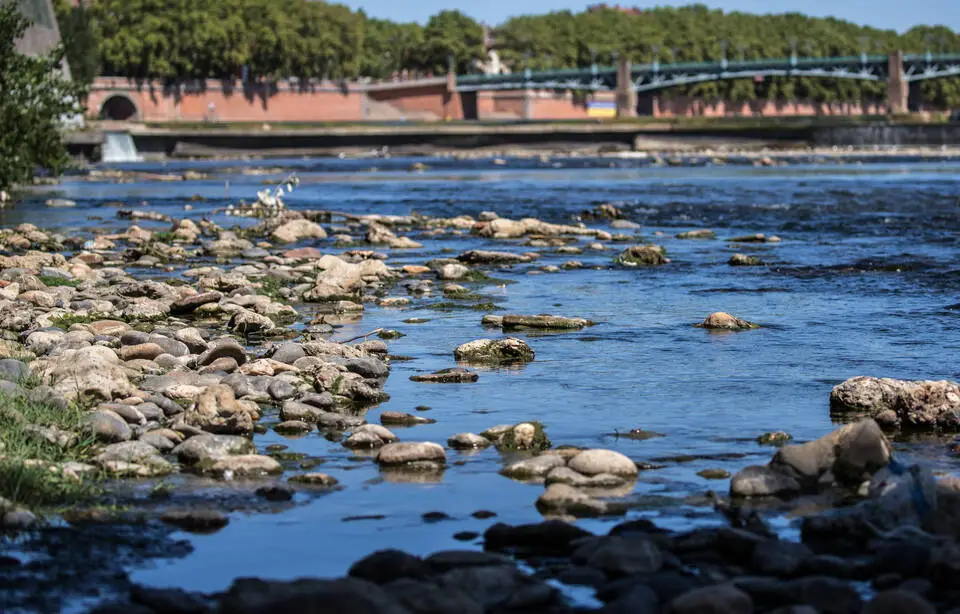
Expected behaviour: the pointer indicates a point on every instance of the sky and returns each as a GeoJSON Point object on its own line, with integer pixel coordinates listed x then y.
{"type": "Point", "coordinates": [897, 15]}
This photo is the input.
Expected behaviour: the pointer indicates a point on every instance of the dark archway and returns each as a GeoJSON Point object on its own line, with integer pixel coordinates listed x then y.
{"type": "Point", "coordinates": [119, 108]}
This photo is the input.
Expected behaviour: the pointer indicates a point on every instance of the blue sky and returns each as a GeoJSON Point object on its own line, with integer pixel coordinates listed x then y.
{"type": "Point", "coordinates": [888, 14]}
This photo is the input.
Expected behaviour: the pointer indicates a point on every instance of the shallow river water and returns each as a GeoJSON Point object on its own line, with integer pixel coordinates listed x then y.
{"type": "Point", "coordinates": [862, 284]}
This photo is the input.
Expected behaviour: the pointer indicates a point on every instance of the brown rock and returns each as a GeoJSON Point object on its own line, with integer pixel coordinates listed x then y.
{"type": "Point", "coordinates": [411, 452]}
{"type": "Point", "coordinates": [724, 321]}
{"type": "Point", "coordinates": [108, 328]}
{"type": "Point", "coordinates": [143, 351]}
{"type": "Point", "coordinates": [189, 304]}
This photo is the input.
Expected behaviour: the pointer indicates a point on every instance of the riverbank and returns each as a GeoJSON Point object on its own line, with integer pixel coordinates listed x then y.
{"type": "Point", "coordinates": [193, 141]}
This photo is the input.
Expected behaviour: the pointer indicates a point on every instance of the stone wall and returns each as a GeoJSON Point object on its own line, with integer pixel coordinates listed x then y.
{"type": "Point", "coordinates": [426, 100]}
{"type": "Point", "coordinates": [217, 101]}
{"type": "Point", "coordinates": [691, 107]}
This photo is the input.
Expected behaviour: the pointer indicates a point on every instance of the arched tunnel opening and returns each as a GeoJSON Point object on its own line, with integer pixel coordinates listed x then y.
{"type": "Point", "coordinates": [118, 108]}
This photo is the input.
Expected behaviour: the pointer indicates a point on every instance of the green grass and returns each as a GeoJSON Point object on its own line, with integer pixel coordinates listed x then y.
{"type": "Point", "coordinates": [162, 236]}
{"type": "Point", "coordinates": [53, 282]}
{"type": "Point", "coordinates": [69, 319]}
{"type": "Point", "coordinates": [270, 287]}
{"type": "Point", "coordinates": [475, 275]}
{"type": "Point", "coordinates": [37, 486]}
{"type": "Point", "coordinates": [142, 324]}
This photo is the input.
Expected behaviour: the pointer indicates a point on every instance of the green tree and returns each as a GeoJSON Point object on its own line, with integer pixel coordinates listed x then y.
{"type": "Point", "coordinates": [35, 99]}
{"type": "Point", "coordinates": [81, 40]}
{"type": "Point", "coordinates": [390, 47]}
{"type": "Point", "coordinates": [451, 34]}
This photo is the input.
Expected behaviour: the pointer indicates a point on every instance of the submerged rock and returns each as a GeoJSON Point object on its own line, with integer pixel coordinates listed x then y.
{"type": "Point", "coordinates": [545, 322]}
{"type": "Point", "coordinates": [755, 238]}
{"type": "Point", "coordinates": [643, 255]}
{"type": "Point", "coordinates": [478, 256]}
{"type": "Point", "coordinates": [494, 351]}
{"type": "Point", "coordinates": [701, 233]}
{"type": "Point", "coordinates": [899, 403]}
{"type": "Point", "coordinates": [403, 419]}
{"type": "Point", "coordinates": [724, 321]}
{"type": "Point", "coordinates": [744, 260]}
{"type": "Point", "coordinates": [447, 376]}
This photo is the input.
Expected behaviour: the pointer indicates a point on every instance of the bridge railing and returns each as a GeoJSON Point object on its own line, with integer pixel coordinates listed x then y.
{"type": "Point", "coordinates": [730, 65]}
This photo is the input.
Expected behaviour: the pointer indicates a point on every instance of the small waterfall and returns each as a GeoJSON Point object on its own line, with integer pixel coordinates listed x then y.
{"type": "Point", "coordinates": [119, 147]}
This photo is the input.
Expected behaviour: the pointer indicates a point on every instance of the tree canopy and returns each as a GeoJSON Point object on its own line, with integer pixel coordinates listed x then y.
{"type": "Point", "coordinates": [309, 39]}
{"type": "Point", "coordinates": [35, 98]}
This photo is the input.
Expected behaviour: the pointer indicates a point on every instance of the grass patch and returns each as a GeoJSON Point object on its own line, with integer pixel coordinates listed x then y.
{"type": "Point", "coordinates": [475, 275]}
{"type": "Point", "coordinates": [28, 474]}
{"type": "Point", "coordinates": [462, 293]}
{"type": "Point", "coordinates": [270, 287]}
{"type": "Point", "coordinates": [162, 236]}
{"type": "Point", "coordinates": [69, 319]}
{"type": "Point", "coordinates": [142, 324]}
{"type": "Point", "coordinates": [53, 282]}
{"type": "Point", "coordinates": [480, 306]}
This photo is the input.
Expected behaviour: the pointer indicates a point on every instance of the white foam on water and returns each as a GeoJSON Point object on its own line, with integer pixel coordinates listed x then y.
{"type": "Point", "coordinates": [119, 147]}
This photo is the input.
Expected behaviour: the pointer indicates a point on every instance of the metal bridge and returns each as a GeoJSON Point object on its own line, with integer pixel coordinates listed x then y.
{"type": "Point", "coordinates": [657, 76]}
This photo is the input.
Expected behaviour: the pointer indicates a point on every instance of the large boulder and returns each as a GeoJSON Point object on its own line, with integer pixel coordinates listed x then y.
{"type": "Point", "coordinates": [849, 456]}
{"type": "Point", "coordinates": [899, 403]}
{"type": "Point", "coordinates": [91, 372]}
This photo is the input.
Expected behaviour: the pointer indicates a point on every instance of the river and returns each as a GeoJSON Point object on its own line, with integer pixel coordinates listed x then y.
{"type": "Point", "coordinates": [861, 284]}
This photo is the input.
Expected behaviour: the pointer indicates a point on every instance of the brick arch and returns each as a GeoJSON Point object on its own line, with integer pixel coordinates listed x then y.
{"type": "Point", "coordinates": [119, 107]}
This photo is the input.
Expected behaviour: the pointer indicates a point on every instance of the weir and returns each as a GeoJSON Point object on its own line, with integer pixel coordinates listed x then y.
{"type": "Point", "coordinates": [119, 147]}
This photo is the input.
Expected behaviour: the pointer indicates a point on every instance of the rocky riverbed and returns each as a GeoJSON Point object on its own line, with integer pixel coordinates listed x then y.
{"type": "Point", "coordinates": [651, 362]}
